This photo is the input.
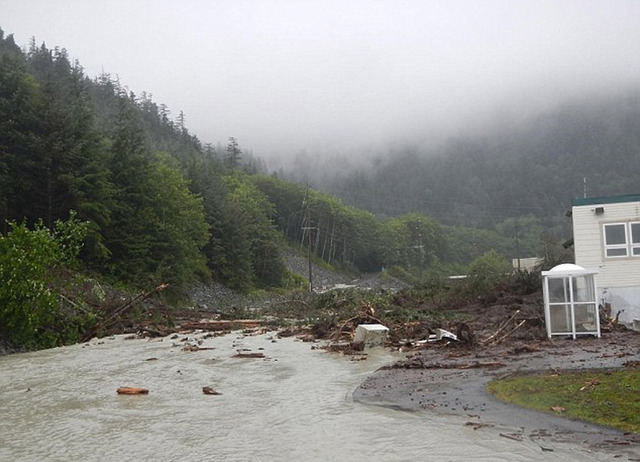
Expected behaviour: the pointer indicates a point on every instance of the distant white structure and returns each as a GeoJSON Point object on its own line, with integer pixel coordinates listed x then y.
{"type": "Point", "coordinates": [606, 235]}
{"type": "Point", "coordinates": [525, 264]}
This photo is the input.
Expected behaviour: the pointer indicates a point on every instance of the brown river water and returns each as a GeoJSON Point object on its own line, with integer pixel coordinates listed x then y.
{"type": "Point", "coordinates": [294, 405]}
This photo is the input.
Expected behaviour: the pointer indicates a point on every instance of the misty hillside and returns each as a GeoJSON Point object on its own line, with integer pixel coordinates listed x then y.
{"type": "Point", "coordinates": [160, 207]}
{"type": "Point", "coordinates": [152, 204]}
{"type": "Point", "coordinates": [535, 169]}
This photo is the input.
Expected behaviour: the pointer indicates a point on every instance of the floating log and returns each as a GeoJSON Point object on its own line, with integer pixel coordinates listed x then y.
{"type": "Point", "coordinates": [477, 425]}
{"type": "Point", "coordinates": [210, 391]}
{"type": "Point", "coordinates": [249, 355]}
{"type": "Point", "coordinates": [132, 391]}
{"type": "Point", "coordinates": [196, 348]}
{"type": "Point", "coordinates": [222, 324]}
{"type": "Point", "coordinates": [512, 436]}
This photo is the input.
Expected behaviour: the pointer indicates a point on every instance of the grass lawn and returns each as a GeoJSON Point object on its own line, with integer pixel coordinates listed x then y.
{"type": "Point", "coordinates": [610, 398]}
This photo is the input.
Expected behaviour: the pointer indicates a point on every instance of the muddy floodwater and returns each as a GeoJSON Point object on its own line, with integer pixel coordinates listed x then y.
{"type": "Point", "coordinates": [295, 404]}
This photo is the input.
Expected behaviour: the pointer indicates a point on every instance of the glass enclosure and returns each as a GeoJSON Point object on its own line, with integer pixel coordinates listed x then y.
{"type": "Point", "coordinates": [570, 303]}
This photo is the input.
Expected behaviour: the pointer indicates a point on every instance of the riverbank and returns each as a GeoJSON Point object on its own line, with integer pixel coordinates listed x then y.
{"type": "Point", "coordinates": [447, 379]}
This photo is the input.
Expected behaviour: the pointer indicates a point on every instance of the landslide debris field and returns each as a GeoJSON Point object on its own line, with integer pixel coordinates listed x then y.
{"type": "Point", "coordinates": [453, 346]}
{"type": "Point", "coordinates": [506, 324]}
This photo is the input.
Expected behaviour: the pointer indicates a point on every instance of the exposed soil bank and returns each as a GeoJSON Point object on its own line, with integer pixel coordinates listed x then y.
{"type": "Point", "coordinates": [450, 379]}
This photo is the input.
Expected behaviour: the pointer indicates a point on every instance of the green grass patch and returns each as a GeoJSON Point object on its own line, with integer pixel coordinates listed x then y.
{"type": "Point", "coordinates": [609, 398]}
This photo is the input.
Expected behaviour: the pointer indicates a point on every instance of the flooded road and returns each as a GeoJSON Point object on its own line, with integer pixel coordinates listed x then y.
{"type": "Point", "coordinates": [295, 404]}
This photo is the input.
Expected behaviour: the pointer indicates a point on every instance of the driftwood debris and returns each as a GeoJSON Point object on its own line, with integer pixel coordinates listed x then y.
{"type": "Point", "coordinates": [196, 348]}
{"type": "Point", "coordinates": [119, 311]}
{"type": "Point", "coordinates": [520, 324]}
{"type": "Point", "coordinates": [500, 329]}
{"type": "Point", "coordinates": [248, 355]}
{"type": "Point", "coordinates": [512, 436]}
{"type": "Point", "coordinates": [153, 333]}
{"type": "Point", "coordinates": [210, 391]}
{"type": "Point", "coordinates": [359, 318]}
{"type": "Point", "coordinates": [477, 425]}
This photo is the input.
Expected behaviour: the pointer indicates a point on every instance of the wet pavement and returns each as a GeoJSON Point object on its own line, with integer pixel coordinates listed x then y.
{"type": "Point", "coordinates": [448, 380]}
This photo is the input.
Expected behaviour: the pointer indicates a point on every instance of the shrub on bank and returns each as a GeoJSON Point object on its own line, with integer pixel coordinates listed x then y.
{"type": "Point", "coordinates": [35, 265]}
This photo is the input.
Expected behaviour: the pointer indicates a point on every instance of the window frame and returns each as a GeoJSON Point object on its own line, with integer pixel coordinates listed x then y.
{"type": "Point", "coordinates": [631, 244]}
{"type": "Point", "coordinates": [634, 240]}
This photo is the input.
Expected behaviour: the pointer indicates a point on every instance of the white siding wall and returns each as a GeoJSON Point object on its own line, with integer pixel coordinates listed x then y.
{"type": "Point", "coordinates": [589, 243]}
{"type": "Point", "coordinates": [618, 278]}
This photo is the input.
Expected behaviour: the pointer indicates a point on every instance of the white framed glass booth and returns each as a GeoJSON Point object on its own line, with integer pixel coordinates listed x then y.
{"type": "Point", "coordinates": [570, 303]}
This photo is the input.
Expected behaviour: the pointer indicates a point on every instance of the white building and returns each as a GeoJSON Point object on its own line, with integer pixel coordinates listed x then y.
{"type": "Point", "coordinates": [606, 236]}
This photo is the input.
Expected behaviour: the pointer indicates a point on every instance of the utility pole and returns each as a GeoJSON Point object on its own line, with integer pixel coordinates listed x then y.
{"type": "Point", "coordinates": [308, 229]}
{"type": "Point", "coordinates": [518, 246]}
{"type": "Point", "coordinates": [420, 248]}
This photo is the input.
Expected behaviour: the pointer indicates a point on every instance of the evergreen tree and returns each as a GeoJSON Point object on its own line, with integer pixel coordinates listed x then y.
{"type": "Point", "coordinates": [205, 174]}
{"type": "Point", "coordinates": [129, 162]}
{"type": "Point", "coordinates": [158, 227]}
{"type": "Point", "coordinates": [69, 156]}
{"type": "Point", "coordinates": [251, 243]}
{"type": "Point", "coordinates": [177, 225]}
{"type": "Point", "coordinates": [233, 153]}
{"type": "Point", "coordinates": [20, 129]}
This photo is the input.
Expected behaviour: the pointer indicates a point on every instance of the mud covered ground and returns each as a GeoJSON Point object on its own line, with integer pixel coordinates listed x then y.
{"type": "Point", "coordinates": [502, 339]}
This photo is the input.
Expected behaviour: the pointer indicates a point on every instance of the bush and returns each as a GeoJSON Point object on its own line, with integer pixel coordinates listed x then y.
{"type": "Point", "coordinates": [487, 274]}
{"type": "Point", "coordinates": [32, 269]}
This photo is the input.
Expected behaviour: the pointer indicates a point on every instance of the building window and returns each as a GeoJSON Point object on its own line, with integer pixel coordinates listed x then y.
{"type": "Point", "coordinates": [622, 239]}
{"type": "Point", "coordinates": [635, 238]}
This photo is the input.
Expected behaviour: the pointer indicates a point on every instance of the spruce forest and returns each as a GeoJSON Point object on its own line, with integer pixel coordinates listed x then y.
{"type": "Point", "coordinates": [100, 182]}
{"type": "Point", "coordinates": [533, 169]}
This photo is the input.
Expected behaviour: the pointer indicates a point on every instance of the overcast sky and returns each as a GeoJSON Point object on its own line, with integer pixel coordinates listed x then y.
{"type": "Point", "coordinates": [282, 76]}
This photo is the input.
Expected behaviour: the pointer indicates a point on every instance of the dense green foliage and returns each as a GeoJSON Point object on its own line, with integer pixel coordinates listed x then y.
{"type": "Point", "coordinates": [160, 208]}
{"type": "Point", "coordinates": [33, 276]}
{"type": "Point", "coordinates": [335, 233]}
{"type": "Point", "coordinates": [486, 273]}
{"type": "Point", "coordinates": [413, 241]}
{"type": "Point", "coordinates": [413, 245]}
